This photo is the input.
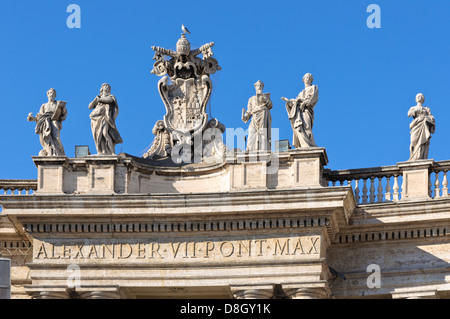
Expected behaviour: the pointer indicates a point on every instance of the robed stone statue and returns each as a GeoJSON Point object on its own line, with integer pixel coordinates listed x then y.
{"type": "Point", "coordinates": [49, 124]}
{"type": "Point", "coordinates": [258, 110]}
{"type": "Point", "coordinates": [422, 126]}
{"type": "Point", "coordinates": [103, 121]}
{"type": "Point", "coordinates": [301, 113]}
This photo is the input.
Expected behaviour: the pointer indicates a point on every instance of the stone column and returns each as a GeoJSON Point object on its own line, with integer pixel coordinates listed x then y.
{"type": "Point", "coordinates": [307, 293]}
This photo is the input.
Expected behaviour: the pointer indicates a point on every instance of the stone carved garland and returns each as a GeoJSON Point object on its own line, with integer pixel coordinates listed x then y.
{"type": "Point", "coordinates": [185, 89]}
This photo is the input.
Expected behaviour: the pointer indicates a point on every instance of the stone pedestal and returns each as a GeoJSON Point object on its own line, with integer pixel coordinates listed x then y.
{"type": "Point", "coordinates": [308, 166]}
{"type": "Point", "coordinates": [416, 179]}
{"type": "Point", "coordinates": [50, 174]}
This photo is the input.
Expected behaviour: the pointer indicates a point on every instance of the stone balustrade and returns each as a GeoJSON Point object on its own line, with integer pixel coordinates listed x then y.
{"type": "Point", "coordinates": [406, 180]}
{"type": "Point", "coordinates": [17, 186]}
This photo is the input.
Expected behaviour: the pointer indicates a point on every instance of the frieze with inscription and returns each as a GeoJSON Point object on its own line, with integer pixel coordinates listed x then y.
{"type": "Point", "coordinates": [178, 251]}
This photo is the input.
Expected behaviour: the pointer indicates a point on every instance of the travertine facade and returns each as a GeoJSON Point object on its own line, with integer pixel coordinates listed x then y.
{"type": "Point", "coordinates": [128, 229]}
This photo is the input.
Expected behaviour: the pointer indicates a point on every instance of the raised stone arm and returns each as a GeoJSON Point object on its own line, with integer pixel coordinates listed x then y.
{"type": "Point", "coordinates": [31, 118]}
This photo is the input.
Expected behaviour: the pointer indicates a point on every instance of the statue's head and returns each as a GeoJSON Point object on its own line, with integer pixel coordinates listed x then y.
{"type": "Point", "coordinates": [308, 78]}
{"type": "Point", "coordinates": [106, 88]}
{"type": "Point", "coordinates": [259, 86]}
{"type": "Point", "coordinates": [420, 98]}
{"type": "Point", "coordinates": [183, 45]}
{"type": "Point", "coordinates": [51, 94]}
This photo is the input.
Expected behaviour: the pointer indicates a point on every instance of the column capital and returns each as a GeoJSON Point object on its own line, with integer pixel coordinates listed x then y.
{"type": "Point", "coordinates": [253, 293]}
{"type": "Point", "coordinates": [307, 293]}
{"type": "Point", "coordinates": [48, 293]}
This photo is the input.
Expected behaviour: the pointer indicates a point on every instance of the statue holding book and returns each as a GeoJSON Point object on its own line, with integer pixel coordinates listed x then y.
{"type": "Point", "coordinates": [49, 124]}
{"type": "Point", "coordinates": [258, 110]}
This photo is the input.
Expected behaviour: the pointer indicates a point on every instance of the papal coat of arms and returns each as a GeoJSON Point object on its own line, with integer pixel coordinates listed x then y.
{"type": "Point", "coordinates": [185, 88]}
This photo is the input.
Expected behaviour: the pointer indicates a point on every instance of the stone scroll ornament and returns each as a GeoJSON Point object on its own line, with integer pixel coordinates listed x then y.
{"type": "Point", "coordinates": [422, 126]}
{"type": "Point", "coordinates": [49, 125]}
{"type": "Point", "coordinates": [185, 88]}
{"type": "Point", "coordinates": [103, 121]}
{"type": "Point", "coordinates": [301, 113]}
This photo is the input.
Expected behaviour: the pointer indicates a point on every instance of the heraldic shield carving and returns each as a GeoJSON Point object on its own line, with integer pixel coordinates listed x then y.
{"type": "Point", "coordinates": [185, 88]}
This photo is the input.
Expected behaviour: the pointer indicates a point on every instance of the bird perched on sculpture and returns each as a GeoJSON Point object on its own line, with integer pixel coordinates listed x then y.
{"type": "Point", "coordinates": [184, 29]}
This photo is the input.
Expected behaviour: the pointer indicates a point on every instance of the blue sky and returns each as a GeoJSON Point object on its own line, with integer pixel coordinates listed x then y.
{"type": "Point", "coordinates": [367, 78]}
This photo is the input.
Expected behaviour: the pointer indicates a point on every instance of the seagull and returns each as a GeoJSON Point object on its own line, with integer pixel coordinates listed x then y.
{"type": "Point", "coordinates": [185, 30]}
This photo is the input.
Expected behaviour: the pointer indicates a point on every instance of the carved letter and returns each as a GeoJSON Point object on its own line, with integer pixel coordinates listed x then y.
{"type": "Point", "coordinates": [313, 247]}
{"type": "Point", "coordinates": [79, 252]}
{"type": "Point", "coordinates": [93, 251]}
{"type": "Point", "coordinates": [141, 249]}
{"type": "Point", "coordinates": [209, 247]}
{"type": "Point", "coordinates": [260, 253]}
{"type": "Point", "coordinates": [66, 252]}
{"type": "Point", "coordinates": [155, 250]}
{"type": "Point", "coordinates": [298, 246]}
{"type": "Point", "coordinates": [175, 251]}
{"type": "Point", "coordinates": [121, 256]}
{"type": "Point", "coordinates": [285, 246]}
{"type": "Point", "coordinates": [231, 249]}
{"type": "Point", "coordinates": [42, 251]}
{"type": "Point", "coordinates": [248, 248]}
{"type": "Point", "coordinates": [111, 251]}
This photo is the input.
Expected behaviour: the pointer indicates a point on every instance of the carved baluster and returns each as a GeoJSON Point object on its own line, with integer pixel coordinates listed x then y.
{"type": "Point", "coordinates": [333, 183]}
{"type": "Point", "coordinates": [364, 192]}
{"type": "Point", "coordinates": [437, 186]}
{"type": "Point", "coordinates": [356, 191]}
{"type": "Point", "coordinates": [372, 190]}
{"type": "Point", "coordinates": [395, 188]}
{"type": "Point", "coordinates": [445, 185]}
{"type": "Point", "coordinates": [380, 190]}
{"type": "Point", "coordinates": [429, 185]}
{"type": "Point", "coordinates": [387, 195]}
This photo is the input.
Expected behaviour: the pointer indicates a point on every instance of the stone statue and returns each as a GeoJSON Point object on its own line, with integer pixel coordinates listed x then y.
{"type": "Point", "coordinates": [301, 113]}
{"type": "Point", "coordinates": [185, 96]}
{"type": "Point", "coordinates": [162, 144]}
{"type": "Point", "coordinates": [422, 126]}
{"type": "Point", "coordinates": [103, 118]}
{"type": "Point", "coordinates": [258, 109]}
{"type": "Point", "coordinates": [49, 124]}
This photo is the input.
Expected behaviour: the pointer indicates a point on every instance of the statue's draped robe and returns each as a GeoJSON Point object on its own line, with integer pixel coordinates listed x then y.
{"type": "Point", "coordinates": [103, 126]}
{"type": "Point", "coordinates": [49, 129]}
{"type": "Point", "coordinates": [259, 131]}
{"type": "Point", "coordinates": [421, 127]}
{"type": "Point", "coordinates": [302, 120]}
